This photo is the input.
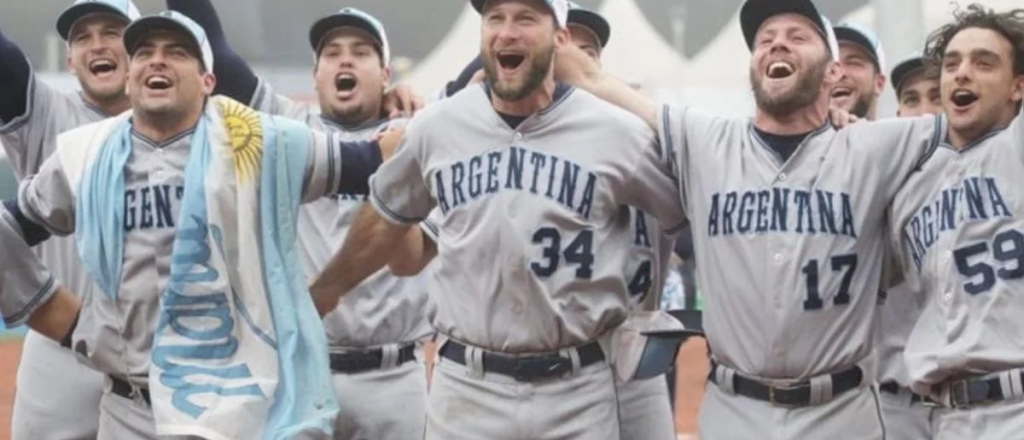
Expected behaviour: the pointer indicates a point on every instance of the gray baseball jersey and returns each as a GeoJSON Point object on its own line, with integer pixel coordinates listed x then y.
{"type": "Point", "coordinates": [530, 238]}
{"type": "Point", "coordinates": [963, 246]}
{"type": "Point", "coordinates": [29, 140]}
{"type": "Point", "coordinates": [383, 309]}
{"type": "Point", "coordinates": [121, 337]}
{"type": "Point", "coordinates": [895, 321]}
{"type": "Point", "coordinates": [790, 251]}
{"type": "Point", "coordinates": [647, 267]}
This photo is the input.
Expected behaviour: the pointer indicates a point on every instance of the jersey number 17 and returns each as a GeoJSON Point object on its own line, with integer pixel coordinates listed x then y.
{"type": "Point", "coordinates": [841, 264]}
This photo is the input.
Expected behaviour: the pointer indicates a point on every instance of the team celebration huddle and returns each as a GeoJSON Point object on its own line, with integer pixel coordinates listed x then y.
{"type": "Point", "coordinates": [198, 256]}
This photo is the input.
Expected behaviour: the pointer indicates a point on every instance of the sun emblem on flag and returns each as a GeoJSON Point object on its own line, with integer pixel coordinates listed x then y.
{"type": "Point", "coordinates": [246, 134]}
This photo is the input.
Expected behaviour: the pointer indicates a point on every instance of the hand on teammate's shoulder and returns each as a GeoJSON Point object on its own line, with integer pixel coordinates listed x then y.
{"type": "Point", "coordinates": [841, 118]}
{"type": "Point", "coordinates": [400, 101]}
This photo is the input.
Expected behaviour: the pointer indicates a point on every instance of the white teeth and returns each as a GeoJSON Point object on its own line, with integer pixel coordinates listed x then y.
{"type": "Point", "coordinates": [158, 81]}
{"type": "Point", "coordinates": [346, 76]}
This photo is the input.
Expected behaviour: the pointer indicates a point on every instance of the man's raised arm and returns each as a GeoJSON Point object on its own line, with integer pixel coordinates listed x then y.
{"type": "Point", "coordinates": [399, 198]}
{"type": "Point", "coordinates": [573, 66]}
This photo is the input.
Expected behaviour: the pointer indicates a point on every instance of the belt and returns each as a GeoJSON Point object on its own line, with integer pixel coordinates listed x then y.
{"type": "Point", "coordinates": [527, 368]}
{"type": "Point", "coordinates": [967, 392]}
{"type": "Point", "coordinates": [365, 360]}
{"type": "Point", "coordinates": [894, 388]}
{"type": "Point", "coordinates": [793, 394]}
{"type": "Point", "coordinates": [128, 391]}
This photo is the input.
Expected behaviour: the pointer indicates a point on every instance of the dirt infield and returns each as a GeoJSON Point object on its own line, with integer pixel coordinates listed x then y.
{"type": "Point", "coordinates": [10, 353]}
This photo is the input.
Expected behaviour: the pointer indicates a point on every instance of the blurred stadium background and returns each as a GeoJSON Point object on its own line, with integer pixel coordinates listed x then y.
{"type": "Point", "coordinates": [683, 50]}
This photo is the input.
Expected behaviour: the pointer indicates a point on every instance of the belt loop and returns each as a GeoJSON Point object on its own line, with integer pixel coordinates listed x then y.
{"type": "Point", "coordinates": [725, 377]}
{"type": "Point", "coordinates": [821, 389]}
{"type": "Point", "coordinates": [474, 362]}
{"type": "Point", "coordinates": [1010, 382]}
{"type": "Point", "coordinates": [574, 355]}
{"type": "Point", "coordinates": [388, 356]}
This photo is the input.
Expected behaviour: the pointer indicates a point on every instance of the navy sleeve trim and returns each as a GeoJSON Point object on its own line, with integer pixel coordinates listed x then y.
{"type": "Point", "coordinates": [391, 214]}
{"type": "Point", "coordinates": [32, 232]}
{"type": "Point", "coordinates": [359, 160]}
{"type": "Point", "coordinates": [16, 318]}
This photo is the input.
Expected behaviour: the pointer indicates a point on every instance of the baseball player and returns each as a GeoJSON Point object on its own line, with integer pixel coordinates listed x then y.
{"type": "Point", "coordinates": [528, 281]}
{"type": "Point", "coordinates": [907, 414]}
{"type": "Point", "coordinates": [960, 238]}
{"type": "Point", "coordinates": [57, 397]}
{"type": "Point", "coordinates": [789, 312]}
{"type": "Point", "coordinates": [917, 87]}
{"type": "Point", "coordinates": [863, 62]}
{"type": "Point", "coordinates": [374, 333]}
{"type": "Point", "coordinates": [169, 82]}
{"type": "Point", "coordinates": [645, 410]}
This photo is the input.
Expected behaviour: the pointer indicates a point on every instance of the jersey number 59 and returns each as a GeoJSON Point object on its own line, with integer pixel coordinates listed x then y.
{"type": "Point", "coordinates": [1007, 249]}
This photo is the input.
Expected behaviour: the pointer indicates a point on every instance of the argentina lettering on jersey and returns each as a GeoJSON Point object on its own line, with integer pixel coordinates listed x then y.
{"type": "Point", "coordinates": [151, 207]}
{"type": "Point", "coordinates": [516, 169]}
{"type": "Point", "coordinates": [975, 198]}
{"type": "Point", "coordinates": [205, 324]}
{"type": "Point", "coordinates": [789, 210]}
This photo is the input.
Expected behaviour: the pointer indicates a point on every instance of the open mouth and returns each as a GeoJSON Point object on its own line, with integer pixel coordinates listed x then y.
{"type": "Point", "coordinates": [842, 92]}
{"type": "Point", "coordinates": [510, 61]}
{"type": "Point", "coordinates": [102, 66]}
{"type": "Point", "coordinates": [345, 82]}
{"type": "Point", "coordinates": [963, 98]}
{"type": "Point", "coordinates": [158, 82]}
{"type": "Point", "coordinates": [780, 70]}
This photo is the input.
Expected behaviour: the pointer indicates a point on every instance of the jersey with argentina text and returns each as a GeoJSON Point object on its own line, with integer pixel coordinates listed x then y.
{"type": "Point", "coordinates": [383, 309]}
{"type": "Point", "coordinates": [790, 251]}
{"type": "Point", "coordinates": [531, 238]}
{"type": "Point", "coordinates": [959, 220]}
{"type": "Point", "coordinates": [120, 336]}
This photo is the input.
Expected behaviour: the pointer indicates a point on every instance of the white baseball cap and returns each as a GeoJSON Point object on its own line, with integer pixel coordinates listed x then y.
{"type": "Point", "coordinates": [172, 21]}
{"type": "Point", "coordinates": [351, 17]}
{"type": "Point", "coordinates": [560, 8]}
{"type": "Point", "coordinates": [80, 8]}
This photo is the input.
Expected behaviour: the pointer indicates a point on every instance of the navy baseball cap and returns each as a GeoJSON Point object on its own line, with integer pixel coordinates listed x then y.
{"type": "Point", "coordinates": [755, 12]}
{"type": "Point", "coordinates": [351, 17]}
{"type": "Point", "coordinates": [590, 20]}
{"type": "Point", "coordinates": [172, 21]}
{"type": "Point", "coordinates": [560, 9]}
{"type": "Point", "coordinates": [905, 69]}
{"type": "Point", "coordinates": [865, 38]}
{"type": "Point", "coordinates": [80, 8]}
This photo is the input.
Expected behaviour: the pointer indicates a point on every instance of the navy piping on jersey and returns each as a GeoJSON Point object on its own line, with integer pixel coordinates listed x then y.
{"type": "Point", "coordinates": [394, 215]}
{"type": "Point", "coordinates": [561, 92]}
{"type": "Point", "coordinates": [937, 134]}
{"type": "Point", "coordinates": [974, 143]}
{"type": "Point", "coordinates": [368, 124]}
{"type": "Point", "coordinates": [165, 143]}
{"type": "Point", "coordinates": [16, 317]}
{"type": "Point", "coordinates": [761, 141]}
{"type": "Point", "coordinates": [431, 229]}
{"type": "Point", "coordinates": [331, 141]}
{"type": "Point", "coordinates": [100, 112]}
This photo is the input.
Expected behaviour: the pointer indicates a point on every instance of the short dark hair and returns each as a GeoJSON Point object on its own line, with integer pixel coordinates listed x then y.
{"type": "Point", "coordinates": [1009, 24]}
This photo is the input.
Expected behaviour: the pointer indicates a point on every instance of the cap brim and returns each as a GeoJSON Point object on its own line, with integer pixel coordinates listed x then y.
{"type": "Point", "coordinates": [854, 36]}
{"type": "Point", "coordinates": [324, 26]}
{"type": "Point", "coordinates": [139, 28]}
{"type": "Point", "coordinates": [903, 70]}
{"type": "Point", "coordinates": [590, 20]}
{"type": "Point", "coordinates": [755, 12]}
{"type": "Point", "coordinates": [70, 15]}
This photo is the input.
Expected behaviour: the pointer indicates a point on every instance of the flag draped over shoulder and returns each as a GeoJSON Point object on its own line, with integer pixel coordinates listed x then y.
{"type": "Point", "coordinates": [239, 351]}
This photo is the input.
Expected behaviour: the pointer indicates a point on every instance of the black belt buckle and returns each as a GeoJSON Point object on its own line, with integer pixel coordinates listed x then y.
{"type": "Point", "coordinates": [785, 398]}
{"type": "Point", "coordinates": [529, 369]}
{"type": "Point", "coordinates": [964, 393]}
